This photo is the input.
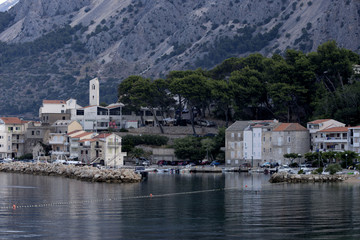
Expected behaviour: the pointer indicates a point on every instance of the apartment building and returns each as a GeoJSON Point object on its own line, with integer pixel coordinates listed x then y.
{"type": "Point", "coordinates": [318, 125]}
{"type": "Point", "coordinates": [256, 142]}
{"type": "Point", "coordinates": [332, 139]}
{"type": "Point", "coordinates": [104, 148]}
{"type": "Point", "coordinates": [12, 137]}
{"type": "Point", "coordinates": [354, 139]}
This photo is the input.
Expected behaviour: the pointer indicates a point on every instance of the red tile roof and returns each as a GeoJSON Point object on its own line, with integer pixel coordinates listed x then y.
{"type": "Point", "coordinates": [54, 101]}
{"type": "Point", "coordinates": [103, 135]}
{"type": "Point", "coordinates": [114, 106]}
{"type": "Point", "coordinates": [80, 135]}
{"type": "Point", "coordinates": [335, 129]}
{"type": "Point", "coordinates": [319, 121]}
{"type": "Point", "coordinates": [11, 120]}
{"type": "Point", "coordinates": [89, 140]}
{"type": "Point", "coordinates": [283, 127]}
{"type": "Point", "coordinates": [70, 133]}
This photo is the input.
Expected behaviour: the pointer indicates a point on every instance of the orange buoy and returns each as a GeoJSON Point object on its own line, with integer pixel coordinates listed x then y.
{"type": "Point", "coordinates": [245, 185]}
{"type": "Point", "coordinates": [150, 194]}
{"type": "Point", "coordinates": [14, 206]}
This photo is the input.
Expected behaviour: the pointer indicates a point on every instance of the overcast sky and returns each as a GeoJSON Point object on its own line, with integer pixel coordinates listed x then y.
{"type": "Point", "coordinates": [1, 1]}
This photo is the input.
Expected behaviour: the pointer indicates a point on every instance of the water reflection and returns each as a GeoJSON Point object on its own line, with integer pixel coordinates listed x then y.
{"type": "Point", "coordinates": [248, 208]}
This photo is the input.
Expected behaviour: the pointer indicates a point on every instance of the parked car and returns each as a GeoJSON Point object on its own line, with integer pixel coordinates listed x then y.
{"type": "Point", "coordinates": [205, 123]}
{"type": "Point", "coordinates": [162, 162]}
{"type": "Point", "coordinates": [146, 163]}
{"type": "Point", "coordinates": [204, 162]}
{"type": "Point", "coordinates": [215, 163]}
{"type": "Point", "coordinates": [265, 165]}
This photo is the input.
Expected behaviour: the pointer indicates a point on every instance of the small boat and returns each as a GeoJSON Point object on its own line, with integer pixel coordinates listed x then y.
{"type": "Point", "coordinates": [162, 170]}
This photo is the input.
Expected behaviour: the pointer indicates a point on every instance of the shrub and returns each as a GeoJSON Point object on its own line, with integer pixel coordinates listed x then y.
{"type": "Point", "coordinates": [294, 165]}
{"type": "Point", "coordinates": [318, 171]}
{"type": "Point", "coordinates": [333, 168]}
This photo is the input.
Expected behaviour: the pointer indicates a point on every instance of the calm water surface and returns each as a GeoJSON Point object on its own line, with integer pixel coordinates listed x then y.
{"type": "Point", "coordinates": [194, 206]}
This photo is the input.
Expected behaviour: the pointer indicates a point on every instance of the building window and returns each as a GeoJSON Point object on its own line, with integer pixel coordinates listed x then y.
{"type": "Point", "coordinates": [270, 150]}
{"type": "Point", "coordinates": [232, 135]}
{"type": "Point", "coordinates": [264, 150]}
{"type": "Point", "coordinates": [289, 139]}
{"type": "Point", "coordinates": [228, 161]}
{"type": "Point", "coordinates": [38, 132]}
{"type": "Point", "coordinates": [232, 153]}
{"type": "Point", "coordinates": [93, 86]}
{"type": "Point", "coordinates": [18, 128]}
{"type": "Point", "coordinates": [32, 133]}
{"type": "Point", "coordinates": [236, 162]}
{"type": "Point", "coordinates": [264, 139]}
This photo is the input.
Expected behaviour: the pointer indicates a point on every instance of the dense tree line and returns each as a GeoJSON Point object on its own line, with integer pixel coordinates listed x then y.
{"type": "Point", "coordinates": [295, 87]}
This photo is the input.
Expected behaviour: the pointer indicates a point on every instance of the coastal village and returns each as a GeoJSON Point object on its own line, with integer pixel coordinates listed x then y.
{"type": "Point", "coordinates": [81, 133]}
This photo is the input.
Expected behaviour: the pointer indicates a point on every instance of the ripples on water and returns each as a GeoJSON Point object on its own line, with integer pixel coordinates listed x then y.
{"type": "Point", "coordinates": [249, 208]}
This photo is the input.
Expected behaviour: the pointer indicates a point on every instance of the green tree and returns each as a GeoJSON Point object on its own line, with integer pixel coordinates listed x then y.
{"type": "Point", "coordinates": [189, 148]}
{"type": "Point", "coordinates": [142, 92]}
{"type": "Point", "coordinates": [194, 88]}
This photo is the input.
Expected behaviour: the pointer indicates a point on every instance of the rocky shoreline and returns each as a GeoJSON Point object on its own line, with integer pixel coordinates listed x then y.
{"type": "Point", "coordinates": [85, 173]}
{"type": "Point", "coordinates": [308, 178]}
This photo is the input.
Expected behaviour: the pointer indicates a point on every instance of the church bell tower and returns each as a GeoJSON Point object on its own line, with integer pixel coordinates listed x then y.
{"type": "Point", "coordinates": [94, 95]}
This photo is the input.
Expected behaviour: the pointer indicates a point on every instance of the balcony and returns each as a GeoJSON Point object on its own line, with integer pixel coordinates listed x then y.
{"type": "Point", "coordinates": [53, 142]}
{"type": "Point", "coordinates": [74, 145]}
{"type": "Point", "coordinates": [59, 153]}
{"type": "Point", "coordinates": [113, 144]}
{"type": "Point", "coordinates": [15, 140]}
{"type": "Point", "coordinates": [335, 139]}
{"type": "Point", "coordinates": [356, 144]}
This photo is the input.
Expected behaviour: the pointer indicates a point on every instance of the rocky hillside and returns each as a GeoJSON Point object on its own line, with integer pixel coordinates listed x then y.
{"type": "Point", "coordinates": [6, 5]}
{"type": "Point", "coordinates": [50, 48]}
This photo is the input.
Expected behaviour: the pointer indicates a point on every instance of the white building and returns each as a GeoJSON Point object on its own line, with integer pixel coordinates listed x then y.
{"type": "Point", "coordinates": [316, 126]}
{"type": "Point", "coordinates": [333, 139]}
{"type": "Point", "coordinates": [53, 110]}
{"type": "Point", "coordinates": [354, 139]}
{"type": "Point", "coordinates": [104, 148]}
{"type": "Point", "coordinates": [12, 137]}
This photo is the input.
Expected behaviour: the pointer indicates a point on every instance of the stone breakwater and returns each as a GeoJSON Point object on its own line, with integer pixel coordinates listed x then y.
{"type": "Point", "coordinates": [302, 178]}
{"type": "Point", "coordinates": [85, 173]}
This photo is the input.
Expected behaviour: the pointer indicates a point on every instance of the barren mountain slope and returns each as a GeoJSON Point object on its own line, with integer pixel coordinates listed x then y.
{"type": "Point", "coordinates": [151, 38]}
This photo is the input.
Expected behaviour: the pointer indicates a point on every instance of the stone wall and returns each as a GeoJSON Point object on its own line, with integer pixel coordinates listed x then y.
{"type": "Point", "coordinates": [305, 178]}
{"type": "Point", "coordinates": [84, 173]}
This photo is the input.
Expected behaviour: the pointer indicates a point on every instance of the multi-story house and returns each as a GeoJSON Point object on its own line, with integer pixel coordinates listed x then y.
{"type": "Point", "coordinates": [74, 145]}
{"type": "Point", "coordinates": [288, 138]}
{"type": "Point", "coordinates": [59, 139]}
{"type": "Point", "coordinates": [36, 132]}
{"type": "Point", "coordinates": [253, 141]}
{"type": "Point", "coordinates": [53, 110]}
{"type": "Point", "coordinates": [234, 141]}
{"type": "Point", "coordinates": [12, 137]}
{"type": "Point", "coordinates": [104, 148]}
{"type": "Point", "coordinates": [354, 139]}
{"type": "Point", "coordinates": [257, 142]}
{"type": "Point", "coordinates": [316, 126]}
{"type": "Point", "coordinates": [98, 118]}
{"type": "Point", "coordinates": [332, 139]}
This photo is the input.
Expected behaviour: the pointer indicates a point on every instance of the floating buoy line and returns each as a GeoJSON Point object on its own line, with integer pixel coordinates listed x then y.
{"type": "Point", "coordinates": [69, 203]}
